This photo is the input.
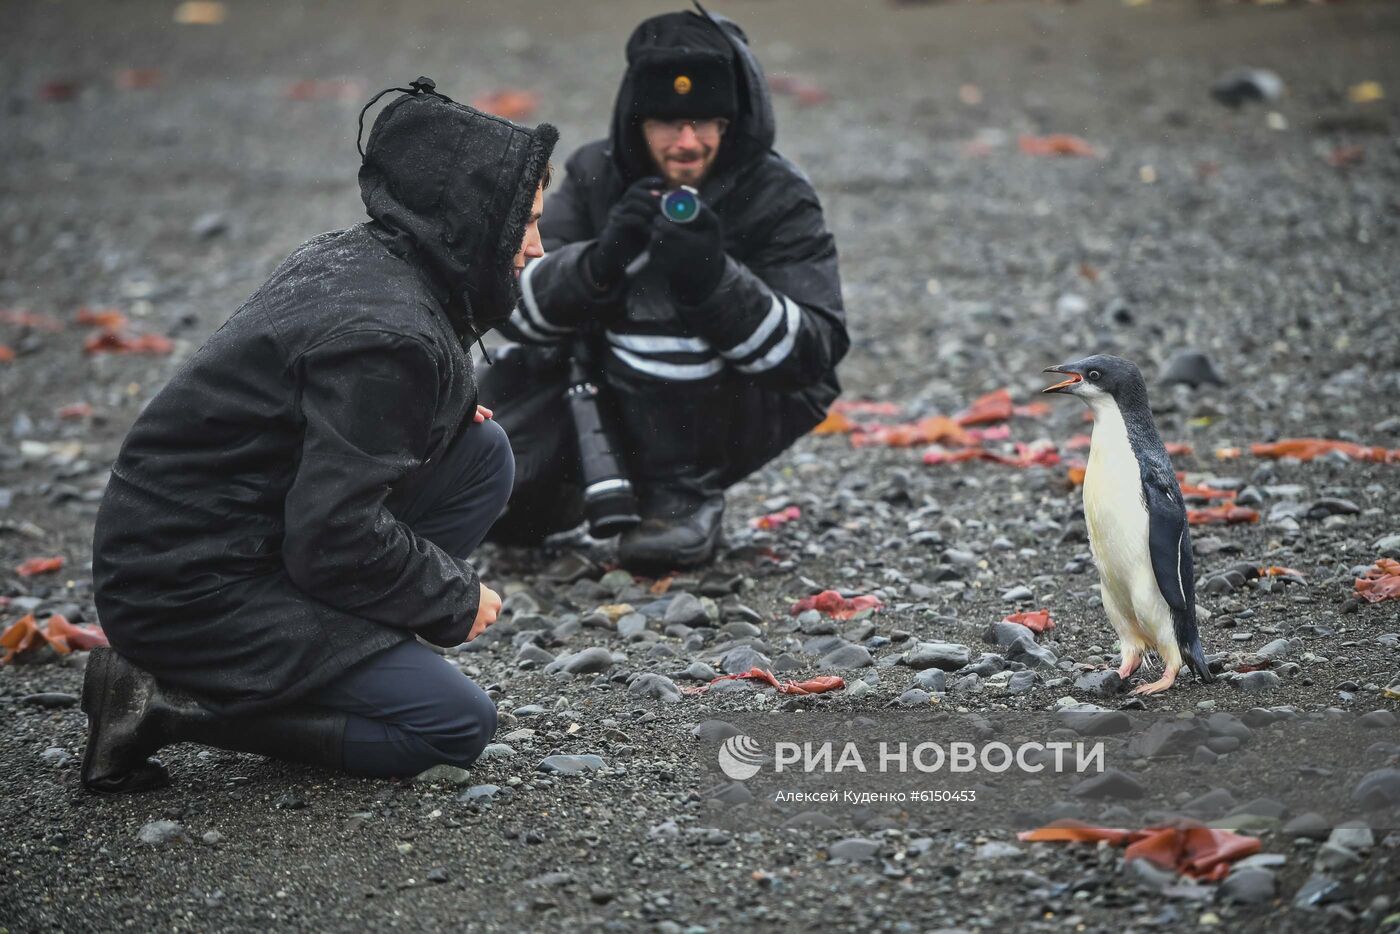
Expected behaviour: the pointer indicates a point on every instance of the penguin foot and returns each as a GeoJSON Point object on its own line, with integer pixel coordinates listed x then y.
{"type": "Point", "coordinates": [1157, 687]}
{"type": "Point", "coordinates": [1131, 663]}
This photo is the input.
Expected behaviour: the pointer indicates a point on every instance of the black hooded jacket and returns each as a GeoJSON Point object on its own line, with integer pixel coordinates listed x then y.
{"type": "Point", "coordinates": [776, 318]}
{"type": "Point", "coordinates": [247, 548]}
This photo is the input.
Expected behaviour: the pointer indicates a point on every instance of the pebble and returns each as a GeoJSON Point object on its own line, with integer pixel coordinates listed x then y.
{"type": "Point", "coordinates": [496, 751]}
{"type": "Point", "coordinates": [212, 838]}
{"type": "Point", "coordinates": [933, 680]}
{"type": "Point", "coordinates": [1377, 719]}
{"type": "Point", "coordinates": [1242, 85]}
{"type": "Point", "coordinates": [56, 756]}
{"type": "Point", "coordinates": [50, 700]}
{"type": "Point", "coordinates": [996, 849]}
{"type": "Point", "coordinates": [1111, 783]}
{"type": "Point", "coordinates": [480, 793]}
{"type": "Point", "coordinates": [1167, 738]}
{"type": "Point", "coordinates": [853, 849]}
{"type": "Point", "coordinates": [1100, 683]}
{"type": "Point", "coordinates": [713, 731]}
{"type": "Point", "coordinates": [686, 610]}
{"type": "Point", "coordinates": [1249, 886]}
{"type": "Point", "coordinates": [1088, 720]}
{"type": "Point", "coordinates": [914, 697]}
{"type": "Point", "coordinates": [536, 656]}
{"type": "Point", "coordinates": [741, 658]}
{"type": "Point", "coordinates": [161, 832]}
{"type": "Point", "coordinates": [949, 656]}
{"type": "Point", "coordinates": [1320, 889]}
{"type": "Point", "coordinates": [1256, 682]}
{"type": "Point", "coordinates": [443, 773]}
{"type": "Point", "coordinates": [570, 765]}
{"type": "Point", "coordinates": [595, 660]}
{"type": "Point", "coordinates": [1311, 825]}
{"type": "Point", "coordinates": [846, 657]}
{"type": "Point", "coordinates": [1017, 594]}
{"type": "Point", "coordinates": [1277, 649]}
{"type": "Point", "coordinates": [1030, 653]}
{"type": "Point", "coordinates": [631, 625]}
{"type": "Point", "coordinates": [699, 671]}
{"type": "Point", "coordinates": [1378, 789]}
{"type": "Point", "coordinates": [1021, 682]}
{"type": "Point", "coordinates": [858, 688]}
{"type": "Point", "coordinates": [1190, 368]}
{"type": "Point", "coordinates": [655, 686]}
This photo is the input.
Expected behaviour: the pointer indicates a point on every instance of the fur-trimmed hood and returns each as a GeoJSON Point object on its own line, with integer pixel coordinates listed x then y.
{"type": "Point", "coordinates": [454, 186]}
{"type": "Point", "coordinates": [751, 132]}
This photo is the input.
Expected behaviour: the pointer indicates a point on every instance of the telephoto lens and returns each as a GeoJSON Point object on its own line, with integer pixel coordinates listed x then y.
{"type": "Point", "coordinates": [680, 205]}
{"type": "Point", "coordinates": [609, 503]}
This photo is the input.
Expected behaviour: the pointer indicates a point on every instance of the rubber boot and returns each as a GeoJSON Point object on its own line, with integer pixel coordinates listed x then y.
{"type": "Point", "coordinates": [672, 438]}
{"type": "Point", "coordinates": [131, 716]}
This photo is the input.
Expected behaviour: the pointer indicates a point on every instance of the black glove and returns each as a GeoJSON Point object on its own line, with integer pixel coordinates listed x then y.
{"type": "Point", "coordinates": [625, 234]}
{"type": "Point", "coordinates": [691, 256]}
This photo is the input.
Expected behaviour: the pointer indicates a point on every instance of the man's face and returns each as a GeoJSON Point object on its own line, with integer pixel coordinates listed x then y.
{"type": "Point", "coordinates": [531, 247]}
{"type": "Point", "coordinates": [684, 150]}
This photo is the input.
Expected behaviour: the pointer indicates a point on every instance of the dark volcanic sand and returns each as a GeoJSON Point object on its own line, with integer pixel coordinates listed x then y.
{"type": "Point", "coordinates": [963, 273]}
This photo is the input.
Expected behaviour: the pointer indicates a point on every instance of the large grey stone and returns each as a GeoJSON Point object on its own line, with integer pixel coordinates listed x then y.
{"type": "Point", "coordinates": [653, 685]}
{"type": "Point", "coordinates": [161, 832]}
{"type": "Point", "coordinates": [853, 849]}
{"type": "Point", "coordinates": [1378, 789]}
{"type": "Point", "coordinates": [571, 765]}
{"type": "Point", "coordinates": [1099, 683]}
{"type": "Point", "coordinates": [1089, 720]}
{"type": "Point", "coordinates": [591, 661]}
{"type": "Point", "coordinates": [1110, 783]}
{"type": "Point", "coordinates": [743, 657]}
{"type": "Point", "coordinates": [846, 657]}
{"type": "Point", "coordinates": [1167, 738]}
{"type": "Point", "coordinates": [1250, 886]}
{"type": "Point", "coordinates": [949, 656]}
{"type": "Point", "coordinates": [687, 610]}
{"type": "Point", "coordinates": [1256, 682]}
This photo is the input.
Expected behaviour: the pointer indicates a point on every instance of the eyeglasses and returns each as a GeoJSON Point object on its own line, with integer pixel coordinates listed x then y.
{"type": "Point", "coordinates": [668, 130]}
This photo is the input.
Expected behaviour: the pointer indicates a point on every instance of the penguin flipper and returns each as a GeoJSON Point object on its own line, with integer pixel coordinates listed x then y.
{"type": "Point", "coordinates": [1169, 543]}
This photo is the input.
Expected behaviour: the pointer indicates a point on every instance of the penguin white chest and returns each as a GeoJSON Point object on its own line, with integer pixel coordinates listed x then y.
{"type": "Point", "coordinates": [1116, 515]}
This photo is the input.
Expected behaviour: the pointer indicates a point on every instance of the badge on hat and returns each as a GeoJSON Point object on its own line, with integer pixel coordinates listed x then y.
{"type": "Point", "coordinates": [682, 84]}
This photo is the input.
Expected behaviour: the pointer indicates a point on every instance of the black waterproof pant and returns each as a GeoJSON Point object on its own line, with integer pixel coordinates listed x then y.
{"type": "Point", "coordinates": [744, 426]}
{"type": "Point", "coordinates": [408, 708]}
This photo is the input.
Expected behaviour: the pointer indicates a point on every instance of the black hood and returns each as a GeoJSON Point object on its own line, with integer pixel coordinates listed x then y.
{"type": "Point", "coordinates": [453, 187]}
{"type": "Point", "coordinates": [750, 133]}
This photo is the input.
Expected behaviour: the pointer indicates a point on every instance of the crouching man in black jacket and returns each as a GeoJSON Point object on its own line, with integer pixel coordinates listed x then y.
{"type": "Point", "coordinates": [718, 339]}
{"type": "Point", "coordinates": [294, 507]}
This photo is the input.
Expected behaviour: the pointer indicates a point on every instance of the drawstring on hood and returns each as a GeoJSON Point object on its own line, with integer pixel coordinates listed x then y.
{"type": "Point", "coordinates": [453, 187]}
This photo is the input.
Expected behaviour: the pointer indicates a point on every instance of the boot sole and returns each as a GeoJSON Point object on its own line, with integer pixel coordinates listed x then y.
{"type": "Point", "coordinates": [686, 559]}
{"type": "Point", "coordinates": [96, 683]}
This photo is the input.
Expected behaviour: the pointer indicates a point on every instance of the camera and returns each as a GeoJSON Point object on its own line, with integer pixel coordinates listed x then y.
{"type": "Point", "coordinates": [680, 205]}
{"type": "Point", "coordinates": [609, 503]}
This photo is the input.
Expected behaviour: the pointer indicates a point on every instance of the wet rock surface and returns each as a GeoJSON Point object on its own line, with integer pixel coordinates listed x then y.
{"type": "Point", "coordinates": [967, 266]}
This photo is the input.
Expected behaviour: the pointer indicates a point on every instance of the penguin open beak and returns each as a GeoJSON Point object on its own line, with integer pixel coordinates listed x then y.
{"type": "Point", "coordinates": [1063, 385]}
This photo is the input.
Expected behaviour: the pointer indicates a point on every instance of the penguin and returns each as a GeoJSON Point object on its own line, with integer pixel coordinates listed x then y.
{"type": "Point", "coordinates": [1137, 522]}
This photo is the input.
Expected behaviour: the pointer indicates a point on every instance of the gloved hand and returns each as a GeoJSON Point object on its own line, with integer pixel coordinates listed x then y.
{"type": "Point", "coordinates": [626, 233]}
{"type": "Point", "coordinates": [691, 256]}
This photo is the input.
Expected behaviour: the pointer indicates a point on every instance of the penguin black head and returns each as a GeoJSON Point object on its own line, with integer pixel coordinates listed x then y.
{"type": "Point", "coordinates": [1093, 378]}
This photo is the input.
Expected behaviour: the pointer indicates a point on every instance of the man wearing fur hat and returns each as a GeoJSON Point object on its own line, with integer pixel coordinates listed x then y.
{"type": "Point", "coordinates": [717, 339]}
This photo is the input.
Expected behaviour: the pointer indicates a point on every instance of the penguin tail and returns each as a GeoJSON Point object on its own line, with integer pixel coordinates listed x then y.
{"type": "Point", "coordinates": [1196, 661]}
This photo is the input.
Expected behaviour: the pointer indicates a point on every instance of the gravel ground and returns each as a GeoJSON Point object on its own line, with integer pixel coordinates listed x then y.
{"type": "Point", "coordinates": [968, 266]}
